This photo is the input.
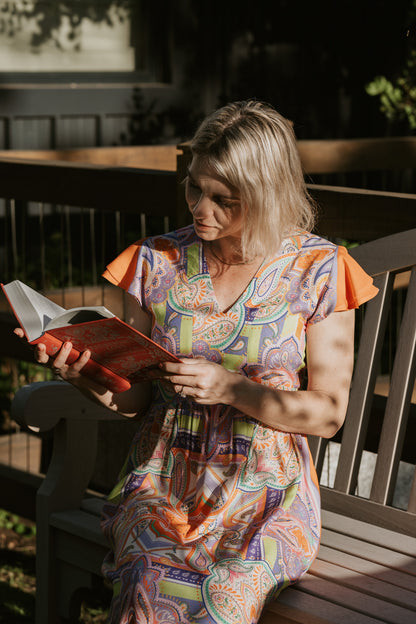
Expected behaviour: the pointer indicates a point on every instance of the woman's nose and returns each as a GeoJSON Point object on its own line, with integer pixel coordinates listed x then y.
{"type": "Point", "coordinates": [201, 206]}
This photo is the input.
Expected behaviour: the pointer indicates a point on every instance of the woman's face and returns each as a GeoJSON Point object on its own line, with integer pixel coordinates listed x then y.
{"type": "Point", "coordinates": [214, 205]}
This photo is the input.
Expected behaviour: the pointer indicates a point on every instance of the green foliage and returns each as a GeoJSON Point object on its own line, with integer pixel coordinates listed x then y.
{"type": "Point", "coordinates": [12, 522]}
{"type": "Point", "coordinates": [347, 243]}
{"type": "Point", "coordinates": [398, 97]}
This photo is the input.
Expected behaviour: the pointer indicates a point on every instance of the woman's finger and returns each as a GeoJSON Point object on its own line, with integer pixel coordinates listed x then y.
{"type": "Point", "coordinates": [40, 354]}
{"type": "Point", "coordinates": [79, 364]}
{"type": "Point", "coordinates": [186, 365]}
{"type": "Point", "coordinates": [60, 359]}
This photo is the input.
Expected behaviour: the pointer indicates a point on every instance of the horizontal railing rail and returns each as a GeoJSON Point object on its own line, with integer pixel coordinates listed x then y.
{"type": "Point", "coordinates": [368, 154]}
{"type": "Point", "coordinates": [361, 214]}
{"type": "Point", "coordinates": [88, 185]}
{"type": "Point", "coordinates": [384, 164]}
{"type": "Point", "coordinates": [160, 157]}
{"type": "Point", "coordinates": [352, 213]}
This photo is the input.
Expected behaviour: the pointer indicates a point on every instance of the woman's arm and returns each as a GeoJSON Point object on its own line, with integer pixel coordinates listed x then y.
{"type": "Point", "coordinates": [130, 403]}
{"type": "Point", "coordinates": [319, 410]}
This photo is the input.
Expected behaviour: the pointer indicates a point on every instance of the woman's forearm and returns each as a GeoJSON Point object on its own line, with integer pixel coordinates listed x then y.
{"type": "Point", "coordinates": [319, 410]}
{"type": "Point", "coordinates": [314, 412]}
{"type": "Point", "coordinates": [130, 403]}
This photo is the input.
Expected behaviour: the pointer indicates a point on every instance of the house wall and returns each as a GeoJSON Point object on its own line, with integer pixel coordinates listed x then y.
{"type": "Point", "coordinates": [92, 101]}
{"type": "Point", "coordinates": [63, 116]}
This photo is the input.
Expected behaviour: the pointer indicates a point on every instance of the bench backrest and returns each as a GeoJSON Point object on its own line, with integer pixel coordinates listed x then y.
{"type": "Point", "coordinates": [390, 260]}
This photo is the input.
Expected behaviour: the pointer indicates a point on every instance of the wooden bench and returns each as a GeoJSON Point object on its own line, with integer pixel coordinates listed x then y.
{"type": "Point", "coordinates": [366, 568]}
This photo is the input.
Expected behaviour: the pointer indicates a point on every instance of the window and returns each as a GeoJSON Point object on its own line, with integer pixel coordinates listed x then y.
{"type": "Point", "coordinates": [82, 40]}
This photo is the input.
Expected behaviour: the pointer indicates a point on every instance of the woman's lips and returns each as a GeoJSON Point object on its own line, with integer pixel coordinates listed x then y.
{"type": "Point", "coordinates": [203, 226]}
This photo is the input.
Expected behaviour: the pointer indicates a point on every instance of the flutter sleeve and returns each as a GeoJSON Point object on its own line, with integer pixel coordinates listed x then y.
{"type": "Point", "coordinates": [128, 271]}
{"type": "Point", "coordinates": [353, 286]}
{"type": "Point", "coordinates": [342, 285]}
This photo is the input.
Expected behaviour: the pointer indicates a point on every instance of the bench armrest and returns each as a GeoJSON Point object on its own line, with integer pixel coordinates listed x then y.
{"type": "Point", "coordinates": [59, 406]}
{"type": "Point", "coordinates": [41, 405]}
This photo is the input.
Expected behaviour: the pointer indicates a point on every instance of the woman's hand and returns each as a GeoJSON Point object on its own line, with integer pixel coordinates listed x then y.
{"type": "Point", "coordinates": [319, 410]}
{"type": "Point", "coordinates": [201, 381]}
{"type": "Point", "coordinates": [69, 372]}
{"type": "Point", "coordinates": [130, 403]}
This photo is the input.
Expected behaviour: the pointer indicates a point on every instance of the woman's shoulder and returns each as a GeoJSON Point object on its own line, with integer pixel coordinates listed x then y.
{"type": "Point", "coordinates": [149, 253]}
{"type": "Point", "coordinates": [175, 239]}
{"type": "Point", "coordinates": [302, 242]}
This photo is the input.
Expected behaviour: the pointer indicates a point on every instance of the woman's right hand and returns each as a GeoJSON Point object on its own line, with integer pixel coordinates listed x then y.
{"type": "Point", "coordinates": [130, 403]}
{"type": "Point", "coordinates": [69, 372]}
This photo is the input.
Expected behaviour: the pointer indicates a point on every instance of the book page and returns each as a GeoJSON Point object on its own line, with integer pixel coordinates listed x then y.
{"type": "Point", "coordinates": [32, 309]}
{"type": "Point", "coordinates": [74, 316]}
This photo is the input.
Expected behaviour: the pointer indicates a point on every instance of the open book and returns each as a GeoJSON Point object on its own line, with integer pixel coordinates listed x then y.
{"type": "Point", "coordinates": [120, 355]}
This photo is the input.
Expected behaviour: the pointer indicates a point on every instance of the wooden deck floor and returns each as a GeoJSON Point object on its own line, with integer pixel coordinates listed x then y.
{"type": "Point", "coordinates": [21, 450]}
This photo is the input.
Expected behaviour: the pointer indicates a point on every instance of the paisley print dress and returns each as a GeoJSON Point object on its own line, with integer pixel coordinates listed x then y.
{"type": "Point", "coordinates": [215, 513]}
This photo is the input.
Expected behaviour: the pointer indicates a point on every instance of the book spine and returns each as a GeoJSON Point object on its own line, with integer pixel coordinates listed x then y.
{"type": "Point", "coordinates": [92, 369]}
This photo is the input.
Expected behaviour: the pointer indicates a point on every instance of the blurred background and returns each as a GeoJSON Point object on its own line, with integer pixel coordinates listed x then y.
{"type": "Point", "coordinates": [111, 72]}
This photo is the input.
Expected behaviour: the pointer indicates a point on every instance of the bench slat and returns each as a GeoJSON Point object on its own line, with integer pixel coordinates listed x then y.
{"type": "Point", "coordinates": [369, 585]}
{"type": "Point", "coordinates": [356, 528]}
{"type": "Point", "coordinates": [339, 594]}
{"type": "Point", "coordinates": [371, 552]}
{"type": "Point", "coordinates": [280, 613]}
{"type": "Point", "coordinates": [326, 609]}
{"type": "Point", "coordinates": [363, 566]}
{"type": "Point", "coordinates": [375, 514]}
{"type": "Point", "coordinates": [73, 551]}
{"type": "Point", "coordinates": [362, 389]}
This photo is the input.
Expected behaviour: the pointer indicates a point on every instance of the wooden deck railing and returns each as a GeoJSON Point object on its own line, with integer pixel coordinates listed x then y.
{"type": "Point", "coordinates": [61, 221]}
{"type": "Point", "coordinates": [382, 164]}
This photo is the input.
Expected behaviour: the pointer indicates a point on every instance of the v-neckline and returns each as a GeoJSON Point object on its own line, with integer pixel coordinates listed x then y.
{"type": "Point", "coordinates": [243, 294]}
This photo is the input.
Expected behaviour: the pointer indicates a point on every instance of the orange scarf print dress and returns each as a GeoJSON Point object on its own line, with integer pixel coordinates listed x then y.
{"type": "Point", "coordinates": [215, 513]}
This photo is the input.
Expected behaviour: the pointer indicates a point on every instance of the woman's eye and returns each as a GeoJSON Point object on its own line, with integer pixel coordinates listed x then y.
{"type": "Point", "coordinates": [192, 188]}
{"type": "Point", "coordinates": [225, 203]}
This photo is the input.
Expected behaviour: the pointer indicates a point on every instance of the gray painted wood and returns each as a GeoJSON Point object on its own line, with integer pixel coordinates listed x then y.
{"type": "Point", "coordinates": [72, 115]}
{"type": "Point", "coordinates": [364, 531]}
{"type": "Point", "coordinates": [358, 412]}
{"type": "Point", "coordinates": [398, 402]}
{"type": "Point", "coordinates": [337, 592]}
{"type": "Point", "coordinates": [393, 578]}
{"type": "Point", "coordinates": [376, 514]}
{"type": "Point", "coordinates": [326, 609]}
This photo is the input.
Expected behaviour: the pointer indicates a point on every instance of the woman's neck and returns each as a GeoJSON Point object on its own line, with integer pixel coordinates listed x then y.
{"type": "Point", "coordinates": [228, 253]}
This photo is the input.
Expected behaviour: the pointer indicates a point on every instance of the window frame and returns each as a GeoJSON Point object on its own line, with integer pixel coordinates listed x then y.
{"type": "Point", "coordinates": [154, 49]}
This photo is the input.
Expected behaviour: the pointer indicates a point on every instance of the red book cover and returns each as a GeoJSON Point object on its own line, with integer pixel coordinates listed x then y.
{"type": "Point", "coordinates": [120, 355]}
{"type": "Point", "coordinates": [92, 369]}
{"type": "Point", "coordinates": [115, 346]}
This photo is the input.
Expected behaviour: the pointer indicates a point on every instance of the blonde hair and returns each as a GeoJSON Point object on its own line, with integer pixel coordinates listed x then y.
{"type": "Point", "coordinates": [251, 147]}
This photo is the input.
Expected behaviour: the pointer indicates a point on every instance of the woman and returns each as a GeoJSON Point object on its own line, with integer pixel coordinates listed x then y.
{"type": "Point", "coordinates": [217, 508]}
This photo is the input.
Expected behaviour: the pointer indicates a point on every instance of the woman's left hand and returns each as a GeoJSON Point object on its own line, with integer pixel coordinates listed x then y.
{"type": "Point", "coordinates": [201, 380]}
